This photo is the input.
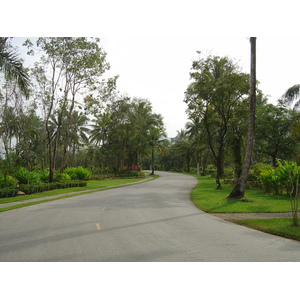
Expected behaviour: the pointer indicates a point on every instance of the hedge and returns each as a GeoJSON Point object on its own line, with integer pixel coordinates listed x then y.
{"type": "Point", "coordinates": [38, 188]}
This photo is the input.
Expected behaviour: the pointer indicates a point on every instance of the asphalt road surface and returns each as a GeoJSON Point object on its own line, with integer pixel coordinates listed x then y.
{"type": "Point", "coordinates": [152, 221]}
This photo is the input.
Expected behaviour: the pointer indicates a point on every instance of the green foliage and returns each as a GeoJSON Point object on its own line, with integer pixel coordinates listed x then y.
{"type": "Point", "coordinates": [79, 173]}
{"type": "Point", "coordinates": [229, 172]}
{"type": "Point", "coordinates": [38, 188]}
{"type": "Point", "coordinates": [281, 179]}
{"type": "Point", "coordinates": [25, 177]}
{"type": "Point", "coordinates": [8, 192]}
{"type": "Point", "coordinates": [44, 175]}
{"type": "Point", "coordinates": [7, 181]}
{"type": "Point", "coordinates": [256, 169]}
{"type": "Point", "coordinates": [58, 177]}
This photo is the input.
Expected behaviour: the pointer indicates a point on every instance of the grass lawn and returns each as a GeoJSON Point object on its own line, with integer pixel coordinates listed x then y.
{"type": "Point", "coordinates": [92, 184]}
{"type": "Point", "coordinates": [207, 198]}
{"type": "Point", "coordinates": [282, 227]}
{"type": "Point", "coordinates": [210, 200]}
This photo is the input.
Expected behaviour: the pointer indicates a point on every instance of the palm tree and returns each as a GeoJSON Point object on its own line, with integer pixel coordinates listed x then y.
{"type": "Point", "coordinates": [12, 67]}
{"type": "Point", "coordinates": [292, 94]}
{"type": "Point", "coordinates": [158, 142]}
{"type": "Point", "coordinates": [239, 189]}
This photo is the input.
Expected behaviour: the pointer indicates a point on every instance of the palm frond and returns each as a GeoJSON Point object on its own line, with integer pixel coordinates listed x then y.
{"type": "Point", "coordinates": [13, 69]}
{"type": "Point", "coordinates": [292, 94]}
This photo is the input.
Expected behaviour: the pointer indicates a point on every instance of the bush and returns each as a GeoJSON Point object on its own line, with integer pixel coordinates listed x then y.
{"type": "Point", "coordinates": [25, 177]}
{"type": "Point", "coordinates": [38, 188]}
{"type": "Point", "coordinates": [79, 173]}
{"type": "Point", "coordinates": [256, 169]}
{"type": "Point", "coordinates": [9, 181]}
{"type": "Point", "coordinates": [8, 192]}
{"type": "Point", "coordinates": [44, 175]}
{"type": "Point", "coordinates": [58, 177]}
{"type": "Point", "coordinates": [281, 179]}
{"type": "Point", "coordinates": [134, 171]}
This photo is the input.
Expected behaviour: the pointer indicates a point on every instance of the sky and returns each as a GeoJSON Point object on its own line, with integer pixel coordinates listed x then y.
{"type": "Point", "coordinates": [157, 68]}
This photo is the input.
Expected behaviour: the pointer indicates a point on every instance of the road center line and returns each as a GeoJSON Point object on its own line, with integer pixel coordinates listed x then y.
{"type": "Point", "coordinates": [98, 226]}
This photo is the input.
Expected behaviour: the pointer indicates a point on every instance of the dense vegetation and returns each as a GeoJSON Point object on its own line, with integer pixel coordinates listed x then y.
{"type": "Point", "coordinates": [62, 115]}
{"type": "Point", "coordinates": [68, 118]}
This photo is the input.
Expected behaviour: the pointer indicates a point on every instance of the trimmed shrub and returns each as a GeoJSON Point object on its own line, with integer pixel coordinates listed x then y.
{"type": "Point", "coordinates": [38, 188]}
{"type": "Point", "coordinates": [8, 192]}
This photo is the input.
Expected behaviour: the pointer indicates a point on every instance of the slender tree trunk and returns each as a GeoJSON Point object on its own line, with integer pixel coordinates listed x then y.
{"type": "Point", "coordinates": [152, 161]}
{"type": "Point", "coordinates": [239, 189]}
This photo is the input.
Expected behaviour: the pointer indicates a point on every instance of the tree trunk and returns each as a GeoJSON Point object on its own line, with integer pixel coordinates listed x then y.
{"type": "Point", "coordinates": [152, 161]}
{"type": "Point", "coordinates": [239, 189]}
{"type": "Point", "coordinates": [220, 169]}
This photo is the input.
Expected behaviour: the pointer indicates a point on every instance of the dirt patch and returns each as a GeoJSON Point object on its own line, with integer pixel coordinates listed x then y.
{"type": "Point", "coordinates": [245, 216]}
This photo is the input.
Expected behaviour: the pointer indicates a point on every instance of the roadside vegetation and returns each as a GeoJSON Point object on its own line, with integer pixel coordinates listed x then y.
{"type": "Point", "coordinates": [91, 186]}
{"type": "Point", "coordinates": [258, 200]}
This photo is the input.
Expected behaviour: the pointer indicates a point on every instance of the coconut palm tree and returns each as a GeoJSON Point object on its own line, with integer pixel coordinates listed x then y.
{"type": "Point", "coordinates": [292, 94]}
{"type": "Point", "coordinates": [12, 66]}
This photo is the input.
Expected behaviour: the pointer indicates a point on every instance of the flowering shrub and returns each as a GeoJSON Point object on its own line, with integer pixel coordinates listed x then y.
{"type": "Point", "coordinates": [134, 168]}
{"type": "Point", "coordinates": [133, 171]}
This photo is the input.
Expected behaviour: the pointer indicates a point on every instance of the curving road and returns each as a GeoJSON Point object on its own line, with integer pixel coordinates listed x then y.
{"type": "Point", "coordinates": [152, 221]}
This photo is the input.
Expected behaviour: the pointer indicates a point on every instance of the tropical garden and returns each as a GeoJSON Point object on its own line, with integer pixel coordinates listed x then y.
{"type": "Point", "coordinates": [63, 122]}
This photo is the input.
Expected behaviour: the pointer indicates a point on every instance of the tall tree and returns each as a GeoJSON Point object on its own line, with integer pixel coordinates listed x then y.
{"type": "Point", "coordinates": [273, 133]}
{"type": "Point", "coordinates": [76, 66]}
{"type": "Point", "coordinates": [217, 88]}
{"type": "Point", "coordinates": [239, 189]}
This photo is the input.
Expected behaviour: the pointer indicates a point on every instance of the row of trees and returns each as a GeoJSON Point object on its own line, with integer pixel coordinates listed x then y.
{"type": "Point", "coordinates": [219, 134]}
{"type": "Point", "coordinates": [72, 116]}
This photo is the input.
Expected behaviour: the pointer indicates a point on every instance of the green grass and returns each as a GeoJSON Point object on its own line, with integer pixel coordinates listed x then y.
{"type": "Point", "coordinates": [92, 184]}
{"type": "Point", "coordinates": [282, 227]}
{"type": "Point", "coordinates": [208, 199]}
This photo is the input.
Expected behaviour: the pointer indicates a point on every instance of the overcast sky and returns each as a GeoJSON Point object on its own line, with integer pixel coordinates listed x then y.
{"type": "Point", "coordinates": [158, 68]}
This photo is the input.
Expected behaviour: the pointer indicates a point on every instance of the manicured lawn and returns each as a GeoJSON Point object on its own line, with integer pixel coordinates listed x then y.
{"type": "Point", "coordinates": [282, 227]}
{"type": "Point", "coordinates": [91, 184]}
{"type": "Point", "coordinates": [208, 199]}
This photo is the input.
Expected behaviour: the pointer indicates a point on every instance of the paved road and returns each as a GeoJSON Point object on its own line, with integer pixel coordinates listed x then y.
{"type": "Point", "coordinates": [152, 221]}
